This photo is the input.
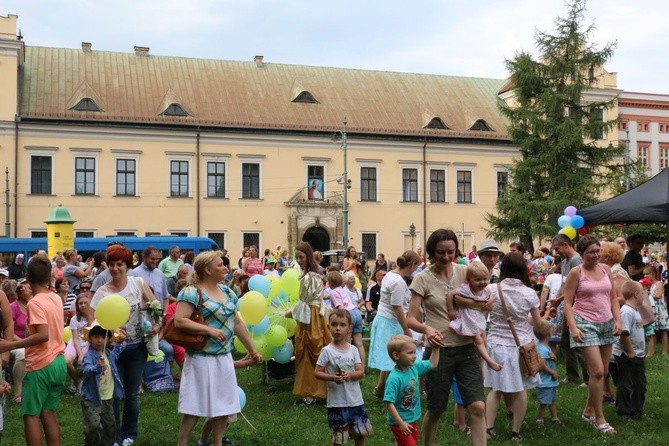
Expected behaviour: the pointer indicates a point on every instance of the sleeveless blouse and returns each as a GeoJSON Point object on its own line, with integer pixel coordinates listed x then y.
{"type": "Point", "coordinates": [592, 300]}
{"type": "Point", "coordinates": [253, 267]}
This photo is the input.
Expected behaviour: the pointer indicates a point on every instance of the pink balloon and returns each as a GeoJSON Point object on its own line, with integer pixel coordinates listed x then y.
{"type": "Point", "coordinates": [570, 211]}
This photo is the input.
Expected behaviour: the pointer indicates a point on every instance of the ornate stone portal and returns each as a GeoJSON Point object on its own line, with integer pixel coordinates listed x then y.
{"type": "Point", "coordinates": [317, 221]}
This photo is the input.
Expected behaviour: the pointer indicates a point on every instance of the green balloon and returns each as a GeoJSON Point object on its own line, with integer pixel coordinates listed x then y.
{"type": "Point", "coordinates": [276, 335]}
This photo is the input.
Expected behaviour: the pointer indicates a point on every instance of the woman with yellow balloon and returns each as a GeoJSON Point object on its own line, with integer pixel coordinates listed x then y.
{"type": "Point", "coordinates": [118, 304]}
{"type": "Point", "coordinates": [204, 371]}
{"type": "Point", "coordinates": [312, 333]}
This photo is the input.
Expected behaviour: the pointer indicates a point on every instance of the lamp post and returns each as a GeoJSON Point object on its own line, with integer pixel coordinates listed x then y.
{"type": "Point", "coordinates": [627, 161]}
{"type": "Point", "coordinates": [412, 233]}
{"type": "Point", "coordinates": [336, 137]}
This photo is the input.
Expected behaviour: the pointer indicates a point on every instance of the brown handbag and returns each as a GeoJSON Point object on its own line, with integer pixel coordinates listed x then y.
{"type": "Point", "coordinates": [181, 338]}
{"type": "Point", "coordinates": [530, 361]}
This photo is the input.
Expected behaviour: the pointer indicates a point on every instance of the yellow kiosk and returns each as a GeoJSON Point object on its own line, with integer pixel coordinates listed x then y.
{"type": "Point", "coordinates": [59, 231]}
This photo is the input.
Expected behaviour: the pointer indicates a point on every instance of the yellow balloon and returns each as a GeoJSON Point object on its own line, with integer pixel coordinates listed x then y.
{"type": "Point", "coordinates": [289, 324]}
{"type": "Point", "coordinates": [112, 312]}
{"type": "Point", "coordinates": [253, 307]}
{"type": "Point", "coordinates": [274, 286]}
{"type": "Point", "coordinates": [569, 231]}
{"type": "Point", "coordinates": [67, 334]}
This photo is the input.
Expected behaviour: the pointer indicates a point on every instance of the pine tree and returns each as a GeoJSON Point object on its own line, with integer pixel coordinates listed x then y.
{"type": "Point", "coordinates": [559, 162]}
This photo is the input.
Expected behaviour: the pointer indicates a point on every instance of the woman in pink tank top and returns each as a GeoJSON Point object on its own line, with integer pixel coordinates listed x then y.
{"type": "Point", "coordinates": [592, 313]}
{"type": "Point", "coordinates": [252, 265]}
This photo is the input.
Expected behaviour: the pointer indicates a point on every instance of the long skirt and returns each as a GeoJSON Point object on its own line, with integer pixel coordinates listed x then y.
{"type": "Point", "coordinates": [309, 340]}
{"type": "Point", "coordinates": [383, 329]}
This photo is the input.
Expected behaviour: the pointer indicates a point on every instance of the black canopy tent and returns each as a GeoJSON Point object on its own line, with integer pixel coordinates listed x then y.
{"type": "Point", "coordinates": [646, 203]}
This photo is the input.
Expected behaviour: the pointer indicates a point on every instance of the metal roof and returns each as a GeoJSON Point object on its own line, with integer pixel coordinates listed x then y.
{"type": "Point", "coordinates": [131, 88]}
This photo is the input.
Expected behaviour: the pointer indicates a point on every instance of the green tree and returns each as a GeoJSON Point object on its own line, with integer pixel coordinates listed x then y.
{"type": "Point", "coordinates": [559, 161]}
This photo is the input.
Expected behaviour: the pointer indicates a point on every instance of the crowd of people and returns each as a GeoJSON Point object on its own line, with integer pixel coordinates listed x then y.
{"type": "Point", "coordinates": [448, 323]}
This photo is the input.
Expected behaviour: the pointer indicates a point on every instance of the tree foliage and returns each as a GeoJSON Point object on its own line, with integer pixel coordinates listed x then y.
{"type": "Point", "coordinates": [559, 161]}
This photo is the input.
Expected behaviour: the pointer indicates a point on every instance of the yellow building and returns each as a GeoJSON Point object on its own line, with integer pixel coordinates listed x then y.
{"type": "Point", "coordinates": [243, 152]}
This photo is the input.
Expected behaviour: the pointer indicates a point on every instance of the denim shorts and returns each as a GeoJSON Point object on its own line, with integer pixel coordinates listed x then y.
{"type": "Point", "coordinates": [546, 395]}
{"type": "Point", "coordinates": [356, 320]}
{"type": "Point", "coordinates": [348, 422]}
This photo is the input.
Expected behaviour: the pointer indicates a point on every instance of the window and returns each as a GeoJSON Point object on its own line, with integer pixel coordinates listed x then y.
{"type": "Point", "coordinates": [125, 177]}
{"type": "Point", "coordinates": [178, 178]}
{"type": "Point", "coordinates": [305, 97]}
{"type": "Point", "coordinates": [84, 234]}
{"type": "Point", "coordinates": [596, 122]}
{"type": "Point", "coordinates": [178, 234]}
{"type": "Point", "coordinates": [464, 186]}
{"type": "Point", "coordinates": [502, 183]}
{"type": "Point", "coordinates": [369, 244]}
{"type": "Point", "coordinates": [125, 233]}
{"type": "Point", "coordinates": [38, 234]}
{"type": "Point", "coordinates": [438, 186]}
{"type": "Point", "coordinates": [84, 175]}
{"type": "Point", "coordinates": [315, 185]}
{"type": "Point", "coordinates": [218, 237]}
{"type": "Point", "coordinates": [664, 157]}
{"type": "Point", "coordinates": [481, 126]}
{"type": "Point", "coordinates": [40, 174]}
{"type": "Point", "coordinates": [368, 184]}
{"type": "Point", "coordinates": [250, 180]}
{"type": "Point", "coordinates": [174, 109]}
{"type": "Point", "coordinates": [642, 156]}
{"type": "Point", "coordinates": [151, 234]}
{"type": "Point", "coordinates": [86, 104]}
{"type": "Point", "coordinates": [216, 179]}
{"type": "Point", "coordinates": [409, 184]}
{"type": "Point", "coordinates": [251, 238]}
{"type": "Point", "coordinates": [436, 123]}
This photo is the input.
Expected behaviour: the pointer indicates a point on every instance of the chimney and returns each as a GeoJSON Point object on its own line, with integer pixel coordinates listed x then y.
{"type": "Point", "coordinates": [258, 61]}
{"type": "Point", "coordinates": [141, 51]}
{"type": "Point", "coordinates": [86, 47]}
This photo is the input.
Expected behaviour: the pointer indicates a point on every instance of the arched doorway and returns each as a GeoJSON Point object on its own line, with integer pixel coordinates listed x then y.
{"type": "Point", "coordinates": [318, 238]}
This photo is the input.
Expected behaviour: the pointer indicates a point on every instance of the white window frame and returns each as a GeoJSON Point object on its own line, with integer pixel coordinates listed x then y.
{"type": "Point", "coordinates": [315, 163]}
{"type": "Point", "coordinates": [499, 169]}
{"type": "Point", "coordinates": [430, 168]}
{"type": "Point", "coordinates": [86, 153]}
{"type": "Point", "coordinates": [374, 165]}
{"type": "Point", "coordinates": [177, 233]}
{"type": "Point", "coordinates": [216, 158]}
{"type": "Point", "coordinates": [241, 238]}
{"type": "Point", "coordinates": [465, 168]}
{"type": "Point", "coordinates": [126, 155]}
{"type": "Point", "coordinates": [31, 231]}
{"type": "Point", "coordinates": [251, 159]}
{"type": "Point", "coordinates": [42, 151]}
{"type": "Point", "coordinates": [95, 233]}
{"type": "Point", "coordinates": [225, 238]}
{"type": "Point", "coordinates": [126, 232]}
{"type": "Point", "coordinates": [179, 156]}
{"type": "Point", "coordinates": [376, 243]}
{"type": "Point", "coordinates": [419, 183]}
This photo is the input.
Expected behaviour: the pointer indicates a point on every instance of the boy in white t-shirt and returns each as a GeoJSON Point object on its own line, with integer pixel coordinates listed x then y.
{"type": "Point", "coordinates": [629, 352]}
{"type": "Point", "coordinates": [340, 365]}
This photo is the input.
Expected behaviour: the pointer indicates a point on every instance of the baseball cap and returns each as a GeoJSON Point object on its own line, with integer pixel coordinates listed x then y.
{"type": "Point", "coordinates": [4, 272]}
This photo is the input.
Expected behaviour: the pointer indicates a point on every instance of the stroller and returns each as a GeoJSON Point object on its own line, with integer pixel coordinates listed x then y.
{"type": "Point", "coordinates": [274, 370]}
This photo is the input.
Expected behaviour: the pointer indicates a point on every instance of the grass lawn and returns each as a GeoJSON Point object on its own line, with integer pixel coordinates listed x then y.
{"type": "Point", "coordinates": [279, 422]}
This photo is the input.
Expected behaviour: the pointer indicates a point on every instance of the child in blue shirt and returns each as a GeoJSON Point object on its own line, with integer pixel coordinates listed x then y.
{"type": "Point", "coordinates": [547, 389]}
{"type": "Point", "coordinates": [402, 393]}
{"type": "Point", "coordinates": [100, 385]}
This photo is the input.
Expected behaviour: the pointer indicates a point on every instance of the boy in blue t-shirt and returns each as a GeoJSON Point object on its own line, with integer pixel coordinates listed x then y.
{"type": "Point", "coordinates": [402, 393]}
{"type": "Point", "coordinates": [547, 389]}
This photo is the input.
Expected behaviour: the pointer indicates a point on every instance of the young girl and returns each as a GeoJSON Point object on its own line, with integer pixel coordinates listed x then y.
{"type": "Point", "coordinates": [76, 347]}
{"type": "Point", "coordinates": [342, 298]}
{"type": "Point", "coordinates": [656, 297]}
{"type": "Point", "coordinates": [470, 322]}
{"type": "Point", "coordinates": [339, 364]}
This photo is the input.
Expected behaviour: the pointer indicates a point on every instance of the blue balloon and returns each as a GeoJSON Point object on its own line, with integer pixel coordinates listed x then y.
{"type": "Point", "coordinates": [242, 397]}
{"type": "Point", "coordinates": [564, 221]}
{"type": "Point", "coordinates": [577, 222]}
{"type": "Point", "coordinates": [259, 328]}
{"type": "Point", "coordinates": [260, 284]}
{"type": "Point", "coordinates": [284, 353]}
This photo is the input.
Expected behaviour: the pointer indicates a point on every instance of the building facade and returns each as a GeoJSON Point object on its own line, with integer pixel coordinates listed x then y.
{"type": "Point", "coordinates": [246, 152]}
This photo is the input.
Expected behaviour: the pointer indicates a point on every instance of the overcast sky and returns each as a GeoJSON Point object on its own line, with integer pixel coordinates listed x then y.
{"type": "Point", "coordinates": [447, 37]}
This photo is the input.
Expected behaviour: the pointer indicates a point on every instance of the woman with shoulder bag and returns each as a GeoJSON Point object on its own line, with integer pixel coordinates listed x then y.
{"type": "Point", "coordinates": [200, 392]}
{"type": "Point", "coordinates": [520, 300]}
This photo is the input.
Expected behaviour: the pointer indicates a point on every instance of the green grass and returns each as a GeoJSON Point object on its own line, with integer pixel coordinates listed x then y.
{"type": "Point", "coordinates": [279, 422]}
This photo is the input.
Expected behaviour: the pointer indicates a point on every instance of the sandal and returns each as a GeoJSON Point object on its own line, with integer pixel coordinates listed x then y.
{"type": "Point", "coordinates": [466, 431]}
{"type": "Point", "coordinates": [516, 437]}
{"type": "Point", "coordinates": [17, 398]}
{"type": "Point", "coordinates": [490, 432]}
{"type": "Point", "coordinates": [590, 419]}
{"type": "Point", "coordinates": [606, 428]}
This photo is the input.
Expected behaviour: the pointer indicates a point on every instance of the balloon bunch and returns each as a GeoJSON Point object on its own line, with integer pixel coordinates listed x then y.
{"type": "Point", "coordinates": [571, 223]}
{"type": "Point", "coordinates": [263, 310]}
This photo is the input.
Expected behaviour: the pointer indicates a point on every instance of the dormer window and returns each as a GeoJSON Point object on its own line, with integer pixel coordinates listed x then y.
{"type": "Point", "coordinates": [174, 109]}
{"type": "Point", "coordinates": [305, 98]}
{"type": "Point", "coordinates": [436, 123]}
{"type": "Point", "coordinates": [86, 104]}
{"type": "Point", "coordinates": [481, 126]}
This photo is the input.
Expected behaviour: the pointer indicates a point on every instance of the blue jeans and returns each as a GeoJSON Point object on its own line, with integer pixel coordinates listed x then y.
{"type": "Point", "coordinates": [166, 348]}
{"type": "Point", "coordinates": [131, 364]}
